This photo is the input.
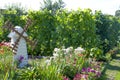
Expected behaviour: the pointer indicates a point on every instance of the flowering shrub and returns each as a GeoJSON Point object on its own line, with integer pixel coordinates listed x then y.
{"type": "Point", "coordinates": [65, 64]}
{"type": "Point", "coordinates": [70, 59]}
{"type": "Point", "coordinates": [67, 53]}
{"type": "Point", "coordinates": [74, 63]}
{"type": "Point", "coordinates": [91, 72]}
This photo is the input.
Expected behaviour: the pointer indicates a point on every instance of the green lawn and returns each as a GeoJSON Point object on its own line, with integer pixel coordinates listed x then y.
{"type": "Point", "coordinates": [112, 70]}
{"type": "Point", "coordinates": [117, 77]}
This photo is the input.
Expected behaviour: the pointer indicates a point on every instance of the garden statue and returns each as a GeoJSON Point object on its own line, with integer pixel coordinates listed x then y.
{"type": "Point", "coordinates": [20, 56]}
{"type": "Point", "coordinates": [18, 43]}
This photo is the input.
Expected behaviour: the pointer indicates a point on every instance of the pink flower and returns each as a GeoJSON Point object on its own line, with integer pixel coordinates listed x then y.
{"type": "Point", "coordinates": [84, 76]}
{"type": "Point", "coordinates": [5, 44]}
{"type": "Point", "coordinates": [80, 76]}
{"type": "Point", "coordinates": [77, 76]}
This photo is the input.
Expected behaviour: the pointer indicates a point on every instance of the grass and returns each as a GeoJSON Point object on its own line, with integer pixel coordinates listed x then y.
{"type": "Point", "coordinates": [112, 70]}
{"type": "Point", "coordinates": [117, 77]}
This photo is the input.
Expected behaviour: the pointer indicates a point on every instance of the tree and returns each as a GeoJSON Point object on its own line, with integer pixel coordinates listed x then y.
{"type": "Point", "coordinates": [14, 14]}
{"type": "Point", "coordinates": [53, 6]}
{"type": "Point", "coordinates": [117, 13]}
{"type": "Point", "coordinates": [108, 30]}
{"type": "Point", "coordinates": [19, 9]}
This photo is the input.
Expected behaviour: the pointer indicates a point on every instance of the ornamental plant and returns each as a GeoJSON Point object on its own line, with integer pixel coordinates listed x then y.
{"type": "Point", "coordinates": [70, 61]}
{"type": "Point", "coordinates": [6, 68]}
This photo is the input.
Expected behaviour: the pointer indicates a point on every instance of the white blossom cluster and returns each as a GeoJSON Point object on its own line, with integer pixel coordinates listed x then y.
{"type": "Point", "coordinates": [79, 50]}
{"type": "Point", "coordinates": [57, 53]}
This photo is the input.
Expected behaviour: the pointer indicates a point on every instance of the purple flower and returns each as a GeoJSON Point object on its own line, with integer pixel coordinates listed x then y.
{"type": "Point", "coordinates": [88, 69]}
{"type": "Point", "coordinates": [21, 58]}
{"type": "Point", "coordinates": [92, 70]}
{"type": "Point", "coordinates": [83, 69]}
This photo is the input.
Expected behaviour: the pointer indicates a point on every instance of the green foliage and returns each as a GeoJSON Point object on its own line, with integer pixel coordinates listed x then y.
{"type": "Point", "coordinates": [73, 28]}
{"type": "Point", "coordinates": [54, 27]}
{"type": "Point", "coordinates": [69, 71]}
{"type": "Point", "coordinates": [117, 77]}
{"type": "Point", "coordinates": [66, 64]}
{"type": "Point", "coordinates": [108, 29]}
{"type": "Point", "coordinates": [43, 28]}
{"type": "Point", "coordinates": [39, 72]}
{"type": "Point", "coordinates": [18, 7]}
{"type": "Point", "coordinates": [65, 28]}
{"type": "Point", "coordinates": [1, 31]}
{"type": "Point", "coordinates": [96, 53]}
{"type": "Point", "coordinates": [15, 14]}
{"type": "Point", "coordinates": [77, 28]}
{"type": "Point", "coordinates": [6, 63]}
{"type": "Point", "coordinates": [8, 71]}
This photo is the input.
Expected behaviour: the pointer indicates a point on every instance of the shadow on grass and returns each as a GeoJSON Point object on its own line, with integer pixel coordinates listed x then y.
{"type": "Point", "coordinates": [111, 67]}
{"type": "Point", "coordinates": [117, 57]}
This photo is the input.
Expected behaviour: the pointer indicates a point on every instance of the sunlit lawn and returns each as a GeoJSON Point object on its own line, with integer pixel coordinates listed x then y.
{"type": "Point", "coordinates": [113, 68]}
{"type": "Point", "coordinates": [117, 77]}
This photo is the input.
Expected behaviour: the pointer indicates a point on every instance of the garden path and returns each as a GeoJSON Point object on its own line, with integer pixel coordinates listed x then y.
{"type": "Point", "coordinates": [112, 70]}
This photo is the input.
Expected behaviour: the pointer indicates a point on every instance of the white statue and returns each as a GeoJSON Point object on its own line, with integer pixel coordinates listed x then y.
{"type": "Point", "coordinates": [21, 55]}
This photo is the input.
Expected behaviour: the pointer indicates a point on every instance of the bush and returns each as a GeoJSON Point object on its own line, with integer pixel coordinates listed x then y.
{"type": "Point", "coordinates": [74, 28]}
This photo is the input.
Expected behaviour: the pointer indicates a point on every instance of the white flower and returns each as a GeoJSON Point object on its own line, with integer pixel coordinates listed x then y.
{"type": "Point", "coordinates": [55, 55]}
{"type": "Point", "coordinates": [64, 51]}
{"type": "Point", "coordinates": [56, 51]}
{"type": "Point", "coordinates": [79, 50]}
{"type": "Point", "coordinates": [69, 50]}
{"type": "Point", "coordinates": [47, 62]}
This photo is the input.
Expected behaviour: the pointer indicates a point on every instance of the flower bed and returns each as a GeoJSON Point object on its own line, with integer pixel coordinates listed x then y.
{"type": "Point", "coordinates": [75, 64]}
{"type": "Point", "coordinates": [65, 64]}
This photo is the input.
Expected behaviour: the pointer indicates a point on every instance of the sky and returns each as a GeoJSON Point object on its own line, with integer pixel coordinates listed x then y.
{"type": "Point", "coordinates": [106, 6]}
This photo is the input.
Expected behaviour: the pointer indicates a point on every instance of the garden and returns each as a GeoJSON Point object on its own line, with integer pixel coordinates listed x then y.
{"type": "Point", "coordinates": [71, 45]}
